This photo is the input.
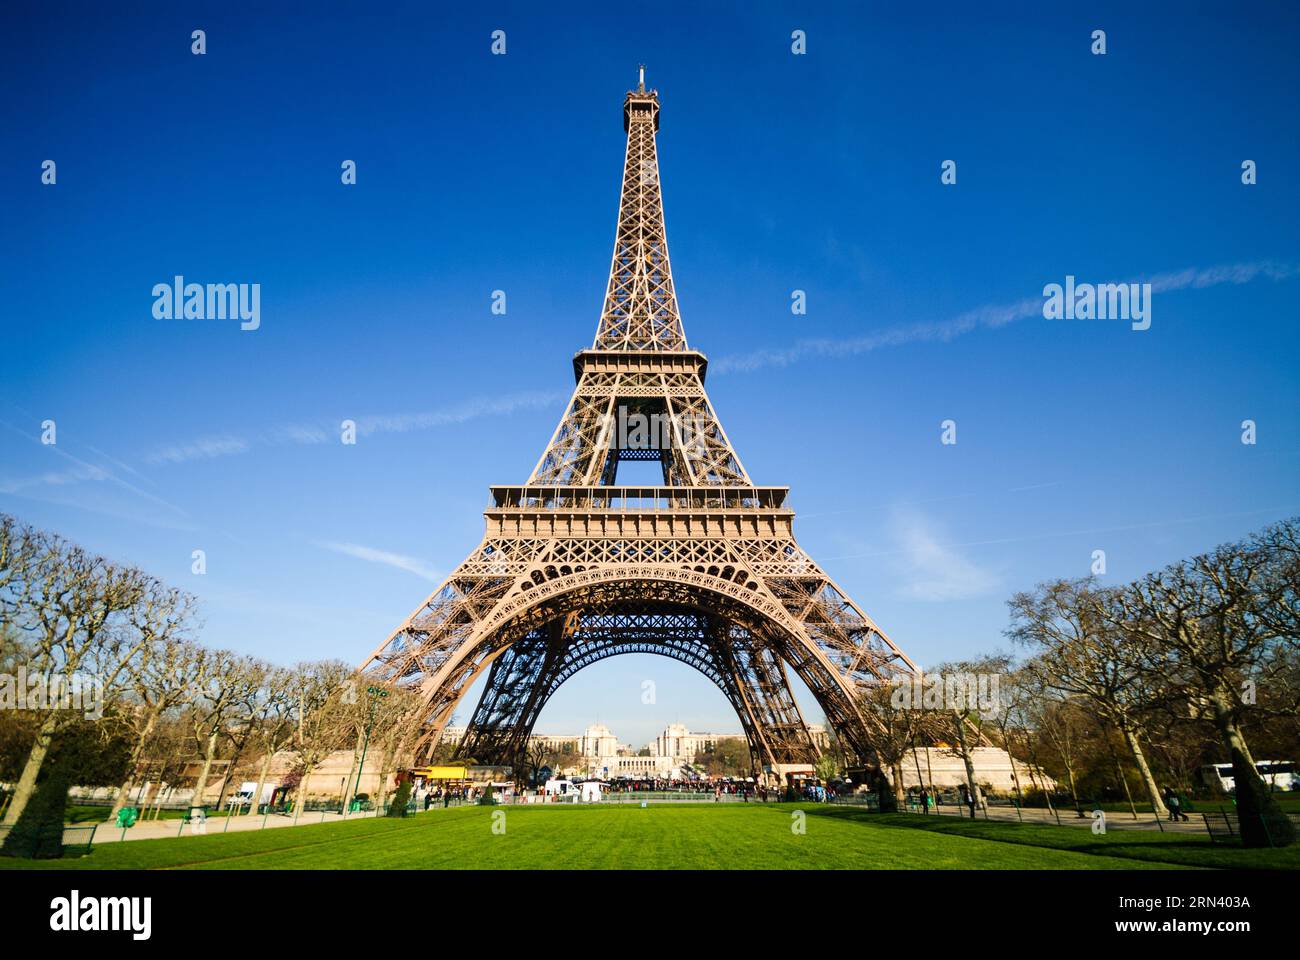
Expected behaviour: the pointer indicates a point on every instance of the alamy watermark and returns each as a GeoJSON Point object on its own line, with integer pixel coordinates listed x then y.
{"type": "Point", "coordinates": [1098, 301]}
{"type": "Point", "coordinates": [75, 913]}
{"type": "Point", "coordinates": [961, 692]}
{"type": "Point", "coordinates": [39, 690]}
{"type": "Point", "coordinates": [179, 300]}
{"type": "Point", "coordinates": [633, 430]}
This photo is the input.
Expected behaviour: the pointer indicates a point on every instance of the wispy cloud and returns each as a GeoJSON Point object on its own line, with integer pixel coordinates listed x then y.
{"type": "Point", "coordinates": [462, 413]}
{"type": "Point", "coordinates": [935, 572]}
{"type": "Point", "coordinates": [1278, 510]}
{"type": "Point", "coordinates": [47, 486]}
{"type": "Point", "coordinates": [205, 448]}
{"type": "Point", "coordinates": [208, 448]}
{"type": "Point", "coordinates": [986, 317]}
{"type": "Point", "coordinates": [371, 555]}
{"type": "Point", "coordinates": [55, 478]}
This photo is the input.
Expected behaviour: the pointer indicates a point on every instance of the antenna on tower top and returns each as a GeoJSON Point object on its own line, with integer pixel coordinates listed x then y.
{"type": "Point", "coordinates": [640, 85]}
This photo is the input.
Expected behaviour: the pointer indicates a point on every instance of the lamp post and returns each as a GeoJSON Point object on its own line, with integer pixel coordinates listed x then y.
{"type": "Point", "coordinates": [376, 694]}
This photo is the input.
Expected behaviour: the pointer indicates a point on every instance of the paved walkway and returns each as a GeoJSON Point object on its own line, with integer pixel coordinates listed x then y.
{"type": "Point", "coordinates": [1070, 818]}
{"type": "Point", "coordinates": [107, 832]}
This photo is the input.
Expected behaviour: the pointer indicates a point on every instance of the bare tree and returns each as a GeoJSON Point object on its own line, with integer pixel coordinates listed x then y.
{"type": "Point", "coordinates": [1080, 651]}
{"type": "Point", "coordinates": [159, 683]}
{"type": "Point", "coordinates": [962, 706]}
{"type": "Point", "coordinates": [273, 723]}
{"type": "Point", "coordinates": [68, 605]}
{"type": "Point", "coordinates": [319, 689]}
{"type": "Point", "coordinates": [1277, 581]}
{"type": "Point", "coordinates": [1054, 718]}
{"type": "Point", "coordinates": [219, 694]}
{"type": "Point", "coordinates": [894, 724]}
{"type": "Point", "coordinates": [397, 723]}
{"type": "Point", "coordinates": [1212, 621]}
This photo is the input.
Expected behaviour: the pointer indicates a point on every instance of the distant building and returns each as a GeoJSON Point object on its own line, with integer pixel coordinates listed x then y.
{"type": "Point", "coordinates": [944, 768]}
{"type": "Point", "coordinates": [560, 743]}
{"type": "Point", "coordinates": [636, 768]}
{"type": "Point", "coordinates": [556, 742]}
{"type": "Point", "coordinates": [821, 737]}
{"type": "Point", "coordinates": [678, 742]}
{"type": "Point", "coordinates": [598, 742]}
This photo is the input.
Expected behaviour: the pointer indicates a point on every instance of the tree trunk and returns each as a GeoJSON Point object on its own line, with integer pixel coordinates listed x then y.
{"type": "Point", "coordinates": [302, 793]}
{"type": "Point", "coordinates": [1015, 774]}
{"type": "Point", "coordinates": [960, 724]}
{"type": "Point", "coordinates": [26, 785]}
{"type": "Point", "coordinates": [900, 795]}
{"type": "Point", "coordinates": [1119, 773]}
{"type": "Point", "coordinates": [1074, 786]}
{"type": "Point", "coordinates": [1144, 770]}
{"type": "Point", "coordinates": [1038, 777]}
{"type": "Point", "coordinates": [201, 783]}
{"type": "Point", "coordinates": [1263, 824]}
{"type": "Point", "coordinates": [388, 758]}
{"type": "Point", "coordinates": [256, 798]}
{"type": "Point", "coordinates": [230, 770]}
{"type": "Point", "coordinates": [352, 773]}
{"type": "Point", "coordinates": [137, 752]}
{"type": "Point", "coordinates": [145, 797]}
{"type": "Point", "coordinates": [161, 799]}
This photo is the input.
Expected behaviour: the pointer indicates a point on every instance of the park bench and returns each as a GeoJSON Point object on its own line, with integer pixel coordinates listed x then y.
{"type": "Point", "coordinates": [1226, 824]}
{"type": "Point", "coordinates": [1221, 825]}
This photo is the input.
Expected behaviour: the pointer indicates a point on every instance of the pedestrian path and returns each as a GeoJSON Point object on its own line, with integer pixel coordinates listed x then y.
{"type": "Point", "coordinates": [160, 829]}
{"type": "Point", "coordinates": [1071, 818]}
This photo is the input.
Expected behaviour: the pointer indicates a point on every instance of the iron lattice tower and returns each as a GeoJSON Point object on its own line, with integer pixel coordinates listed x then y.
{"type": "Point", "coordinates": [704, 568]}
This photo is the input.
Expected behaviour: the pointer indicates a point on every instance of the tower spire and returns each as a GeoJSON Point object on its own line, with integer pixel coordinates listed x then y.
{"type": "Point", "coordinates": [640, 309]}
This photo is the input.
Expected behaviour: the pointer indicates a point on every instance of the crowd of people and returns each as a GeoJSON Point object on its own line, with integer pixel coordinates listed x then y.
{"type": "Point", "coordinates": [440, 793]}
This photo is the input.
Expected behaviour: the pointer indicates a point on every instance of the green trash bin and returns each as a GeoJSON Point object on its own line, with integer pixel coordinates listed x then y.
{"type": "Point", "coordinates": [127, 816]}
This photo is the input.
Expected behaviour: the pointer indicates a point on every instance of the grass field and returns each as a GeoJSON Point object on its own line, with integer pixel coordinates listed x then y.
{"type": "Point", "coordinates": [734, 836]}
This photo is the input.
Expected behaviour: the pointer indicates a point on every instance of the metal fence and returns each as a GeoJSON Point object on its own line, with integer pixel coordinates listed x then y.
{"type": "Point", "coordinates": [76, 837]}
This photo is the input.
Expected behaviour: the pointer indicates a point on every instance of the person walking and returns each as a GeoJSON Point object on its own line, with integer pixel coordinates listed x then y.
{"type": "Point", "coordinates": [968, 798]}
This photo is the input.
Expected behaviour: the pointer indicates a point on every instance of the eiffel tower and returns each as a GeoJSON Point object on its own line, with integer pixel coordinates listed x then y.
{"type": "Point", "coordinates": [704, 568]}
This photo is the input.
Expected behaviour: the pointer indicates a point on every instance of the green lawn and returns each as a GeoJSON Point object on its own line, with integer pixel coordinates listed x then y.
{"type": "Point", "coordinates": [661, 836]}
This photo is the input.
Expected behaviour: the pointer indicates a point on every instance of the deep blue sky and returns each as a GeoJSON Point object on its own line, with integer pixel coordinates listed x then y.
{"type": "Point", "coordinates": [480, 172]}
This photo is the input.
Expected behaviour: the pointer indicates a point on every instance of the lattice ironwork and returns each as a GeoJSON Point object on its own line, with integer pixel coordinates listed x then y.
{"type": "Point", "coordinates": [703, 568]}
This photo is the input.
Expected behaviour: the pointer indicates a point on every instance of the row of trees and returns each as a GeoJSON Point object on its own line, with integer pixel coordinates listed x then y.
{"type": "Point", "coordinates": [1187, 665]}
{"type": "Point", "coordinates": [1193, 663]}
{"type": "Point", "coordinates": [166, 707]}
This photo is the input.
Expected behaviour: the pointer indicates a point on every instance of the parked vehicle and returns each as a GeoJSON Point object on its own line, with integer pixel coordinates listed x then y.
{"type": "Point", "coordinates": [560, 788]}
{"type": "Point", "coordinates": [1278, 774]}
{"type": "Point", "coordinates": [244, 795]}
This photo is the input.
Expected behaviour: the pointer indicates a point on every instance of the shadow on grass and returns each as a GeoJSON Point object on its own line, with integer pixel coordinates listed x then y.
{"type": "Point", "coordinates": [1176, 849]}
